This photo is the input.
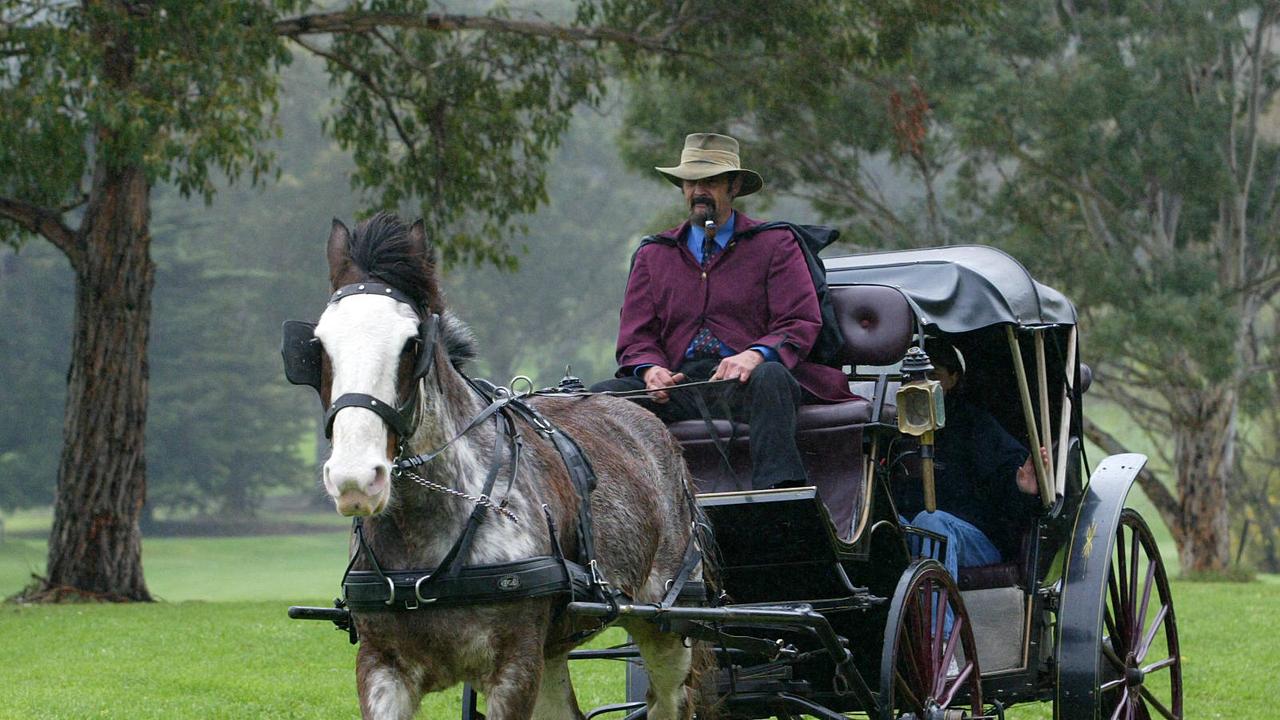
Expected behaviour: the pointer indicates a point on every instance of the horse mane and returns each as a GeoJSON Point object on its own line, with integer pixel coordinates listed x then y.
{"type": "Point", "coordinates": [382, 249]}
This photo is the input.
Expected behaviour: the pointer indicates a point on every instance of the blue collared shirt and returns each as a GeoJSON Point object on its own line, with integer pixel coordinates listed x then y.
{"type": "Point", "coordinates": [724, 234]}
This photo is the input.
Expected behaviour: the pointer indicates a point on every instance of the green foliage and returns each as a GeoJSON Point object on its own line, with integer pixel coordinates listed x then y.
{"type": "Point", "coordinates": [465, 123]}
{"type": "Point", "coordinates": [561, 307]}
{"type": "Point", "coordinates": [809, 92]}
{"type": "Point", "coordinates": [181, 89]}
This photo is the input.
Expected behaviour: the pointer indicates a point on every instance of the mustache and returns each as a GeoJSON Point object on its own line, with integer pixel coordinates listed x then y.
{"type": "Point", "coordinates": [709, 206]}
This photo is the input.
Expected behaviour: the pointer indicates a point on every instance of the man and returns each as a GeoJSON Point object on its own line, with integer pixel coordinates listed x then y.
{"type": "Point", "coordinates": [722, 301]}
{"type": "Point", "coordinates": [984, 478]}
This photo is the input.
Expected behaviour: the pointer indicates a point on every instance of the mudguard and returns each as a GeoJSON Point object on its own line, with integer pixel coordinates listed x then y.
{"type": "Point", "coordinates": [1083, 600]}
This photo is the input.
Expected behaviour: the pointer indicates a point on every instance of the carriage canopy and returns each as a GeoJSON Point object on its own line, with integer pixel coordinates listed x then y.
{"type": "Point", "coordinates": [958, 288]}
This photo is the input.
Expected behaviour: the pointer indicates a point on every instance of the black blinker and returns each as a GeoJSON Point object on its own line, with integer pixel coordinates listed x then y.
{"type": "Point", "coordinates": [302, 353]}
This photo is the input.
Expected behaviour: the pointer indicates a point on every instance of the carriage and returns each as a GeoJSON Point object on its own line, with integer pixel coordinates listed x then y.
{"type": "Point", "coordinates": [827, 603]}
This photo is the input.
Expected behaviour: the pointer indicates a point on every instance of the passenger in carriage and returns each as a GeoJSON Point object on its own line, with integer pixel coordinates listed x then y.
{"type": "Point", "coordinates": [984, 478]}
{"type": "Point", "coordinates": [711, 299]}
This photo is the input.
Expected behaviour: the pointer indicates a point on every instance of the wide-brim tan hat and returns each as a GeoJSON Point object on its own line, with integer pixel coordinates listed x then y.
{"type": "Point", "coordinates": [707, 155]}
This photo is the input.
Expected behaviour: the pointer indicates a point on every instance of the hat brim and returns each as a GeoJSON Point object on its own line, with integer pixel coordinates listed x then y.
{"type": "Point", "coordinates": [751, 180]}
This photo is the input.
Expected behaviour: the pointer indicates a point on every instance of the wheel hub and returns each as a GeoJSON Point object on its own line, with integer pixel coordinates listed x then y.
{"type": "Point", "coordinates": [1133, 677]}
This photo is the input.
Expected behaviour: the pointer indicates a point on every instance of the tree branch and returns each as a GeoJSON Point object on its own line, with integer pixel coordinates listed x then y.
{"type": "Point", "coordinates": [353, 21]}
{"type": "Point", "coordinates": [1164, 501]}
{"type": "Point", "coordinates": [368, 81]}
{"type": "Point", "coordinates": [43, 222]}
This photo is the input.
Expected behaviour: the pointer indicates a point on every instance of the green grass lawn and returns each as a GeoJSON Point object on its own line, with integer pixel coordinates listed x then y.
{"type": "Point", "coordinates": [246, 660]}
{"type": "Point", "coordinates": [221, 645]}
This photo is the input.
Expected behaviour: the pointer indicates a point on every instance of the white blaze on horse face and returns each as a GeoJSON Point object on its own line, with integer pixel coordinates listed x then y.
{"type": "Point", "coordinates": [364, 336]}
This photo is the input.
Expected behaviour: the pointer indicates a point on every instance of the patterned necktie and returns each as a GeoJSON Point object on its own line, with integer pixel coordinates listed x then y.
{"type": "Point", "coordinates": [709, 245]}
{"type": "Point", "coordinates": [704, 344]}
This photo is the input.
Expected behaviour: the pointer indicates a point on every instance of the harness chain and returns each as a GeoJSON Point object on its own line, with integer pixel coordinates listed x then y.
{"type": "Point", "coordinates": [484, 500]}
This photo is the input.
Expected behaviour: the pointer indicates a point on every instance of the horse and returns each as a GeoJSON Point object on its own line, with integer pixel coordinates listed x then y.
{"type": "Point", "coordinates": [383, 344]}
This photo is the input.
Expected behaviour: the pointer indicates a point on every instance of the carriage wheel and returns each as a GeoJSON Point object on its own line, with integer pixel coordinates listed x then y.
{"type": "Point", "coordinates": [915, 681]}
{"type": "Point", "coordinates": [1141, 669]}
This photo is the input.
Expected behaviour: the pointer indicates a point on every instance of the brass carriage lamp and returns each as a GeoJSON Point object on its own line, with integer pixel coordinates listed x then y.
{"type": "Point", "coordinates": [921, 411]}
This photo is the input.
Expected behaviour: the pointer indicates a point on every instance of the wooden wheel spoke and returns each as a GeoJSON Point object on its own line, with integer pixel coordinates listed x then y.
{"type": "Point", "coordinates": [945, 700]}
{"type": "Point", "coordinates": [1122, 576]}
{"type": "Point", "coordinates": [1122, 705]}
{"type": "Point", "coordinates": [1110, 654]}
{"type": "Point", "coordinates": [907, 698]}
{"type": "Point", "coordinates": [1145, 646]}
{"type": "Point", "coordinates": [1146, 598]}
{"type": "Point", "coordinates": [1151, 700]}
{"type": "Point", "coordinates": [939, 607]}
{"type": "Point", "coordinates": [1111, 614]}
{"type": "Point", "coordinates": [908, 661]}
{"type": "Point", "coordinates": [1135, 625]}
{"type": "Point", "coordinates": [1159, 665]}
{"type": "Point", "coordinates": [1111, 684]}
{"type": "Point", "coordinates": [944, 662]}
{"type": "Point", "coordinates": [919, 629]}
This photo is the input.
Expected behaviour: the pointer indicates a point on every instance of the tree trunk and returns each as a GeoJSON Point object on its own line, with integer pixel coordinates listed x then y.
{"type": "Point", "coordinates": [95, 548]}
{"type": "Point", "coordinates": [1204, 449]}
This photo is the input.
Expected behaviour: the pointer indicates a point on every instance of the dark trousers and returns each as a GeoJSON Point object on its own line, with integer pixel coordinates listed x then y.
{"type": "Point", "coordinates": [767, 402]}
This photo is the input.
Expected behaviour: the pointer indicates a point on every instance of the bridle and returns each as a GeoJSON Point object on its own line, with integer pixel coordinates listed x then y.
{"type": "Point", "coordinates": [303, 358]}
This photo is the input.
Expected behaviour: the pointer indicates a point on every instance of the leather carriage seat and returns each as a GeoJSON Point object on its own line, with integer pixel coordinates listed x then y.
{"type": "Point", "coordinates": [877, 324]}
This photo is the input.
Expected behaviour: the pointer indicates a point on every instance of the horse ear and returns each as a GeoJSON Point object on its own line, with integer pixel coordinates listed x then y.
{"type": "Point", "coordinates": [338, 251]}
{"type": "Point", "coordinates": [418, 236]}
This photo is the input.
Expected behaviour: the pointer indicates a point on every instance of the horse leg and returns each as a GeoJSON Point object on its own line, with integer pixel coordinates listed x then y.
{"type": "Point", "coordinates": [385, 692]}
{"type": "Point", "coordinates": [556, 700]}
{"type": "Point", "coordinates": [668, 663]}
{"type": "Point", "coordinates": [514, 686]}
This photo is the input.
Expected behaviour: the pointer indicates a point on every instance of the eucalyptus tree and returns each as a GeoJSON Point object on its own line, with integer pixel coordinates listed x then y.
{"type": "Point", "coordinates": [103, 100]}
{"type": "Point", "coordinates": [1128, 152]}
{"type": "Point", "coordinates": [1137, 167]}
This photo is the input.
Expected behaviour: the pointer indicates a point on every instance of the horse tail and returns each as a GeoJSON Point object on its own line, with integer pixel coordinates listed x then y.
{"type": "Point", "coordinates": [706, 541]}
{"type": "Point", "coordinates": [701, 687]}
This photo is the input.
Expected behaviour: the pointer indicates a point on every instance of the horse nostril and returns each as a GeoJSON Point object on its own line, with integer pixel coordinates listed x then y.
{"type": "Point", "coordinates": [380, 475]}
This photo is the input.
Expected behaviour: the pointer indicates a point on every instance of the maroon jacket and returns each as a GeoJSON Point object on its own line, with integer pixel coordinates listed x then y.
{"type": "Point", "coordinates": [757, 292]}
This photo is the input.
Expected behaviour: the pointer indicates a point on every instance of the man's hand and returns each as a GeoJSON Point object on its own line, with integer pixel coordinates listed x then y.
{"type": "Point", "coordinates": [656, 378]}
{"type": "Point", "coordinates": [738, 367]}
{"type": "Point", "coordinates": [1027, 474]}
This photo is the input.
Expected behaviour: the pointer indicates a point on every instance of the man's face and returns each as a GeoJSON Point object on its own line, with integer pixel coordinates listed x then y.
{"type": "Point", "coordinates": [945, 377]}
{"type": "Point", "coordinates": [711, 198]}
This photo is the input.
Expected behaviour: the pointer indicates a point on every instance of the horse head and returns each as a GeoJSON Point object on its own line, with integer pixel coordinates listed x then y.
{"type": "Point", "coordinates": [378, 340]}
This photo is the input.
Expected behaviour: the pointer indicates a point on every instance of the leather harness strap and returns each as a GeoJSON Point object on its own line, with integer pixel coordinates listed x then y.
{"type": "Point", "coordinates": [391, 416]}
{"type": "Point", "coordinates": [368, 591]}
